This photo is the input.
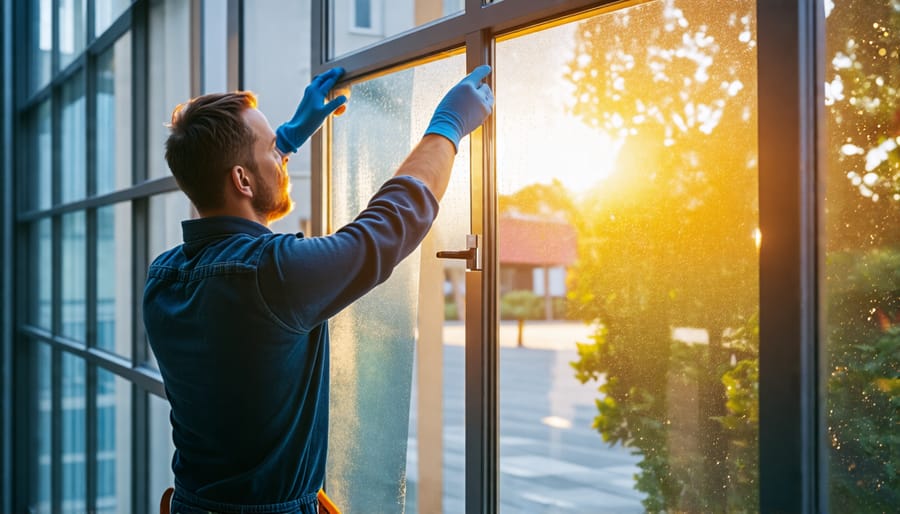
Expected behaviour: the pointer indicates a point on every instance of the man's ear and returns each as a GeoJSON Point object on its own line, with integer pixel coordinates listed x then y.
{"type": "Point", "coordinates": [242, 182]}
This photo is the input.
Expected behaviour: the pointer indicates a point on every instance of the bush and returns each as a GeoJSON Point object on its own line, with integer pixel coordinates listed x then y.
{"type": "Point", "coordinates": [521, 304]}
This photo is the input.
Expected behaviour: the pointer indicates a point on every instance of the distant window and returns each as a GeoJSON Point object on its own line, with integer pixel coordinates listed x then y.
{"type": "Point", "coordinates": [365, 17]}
{"type": "Point", "coordinates": [362, 16]}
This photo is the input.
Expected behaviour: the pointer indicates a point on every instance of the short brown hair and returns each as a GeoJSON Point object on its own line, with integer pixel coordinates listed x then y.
{"type": "Point", "coordinates": [208, 137]}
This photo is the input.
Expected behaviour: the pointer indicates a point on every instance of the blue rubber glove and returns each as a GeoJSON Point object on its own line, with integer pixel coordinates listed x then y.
{"type": "Point", "coordinates": [311, 112]}
{"type": "Point", "coordinates": [463, 108]}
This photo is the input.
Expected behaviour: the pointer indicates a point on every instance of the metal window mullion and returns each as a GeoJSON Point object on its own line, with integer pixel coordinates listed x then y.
{"type": "Point", "coordinates": [54, 35]}
{"type": "Point", "coordinates": [91, 368]}
{"type": "Point", "coordinates": [140, 445]}
{"type": "Point", "coordinates": [481, 351]}
{"type": "Point", "coordinates": [26, 355]}
{"type": "Point", "coordinates": [141, 190]}
{"type": "Point", "coordinates": [143, 376]}
{"type": "Point", "coordinates": [55, 431]}
{"type": "Point", "coordinates": [89, 26]}
{"type": "Point", "coordinates": [790, 81]}
{"type": "Point", "coordinates": [320, 148]}
{"type": "Point", "coordinates": [90, 434]}
{"type": "Point", "coordinates": [56, 428]}
{"type": "Point", "coordinates": [91, 231]}
{"type": "Point", "coordinates": [7, 260]}
{"type": "Point", "coordinates": [235, 40]}
{"type": "Point", "coordinates": [140, 194]}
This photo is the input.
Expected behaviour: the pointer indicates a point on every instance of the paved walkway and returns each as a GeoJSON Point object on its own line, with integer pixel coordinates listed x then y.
{"type": "Point", "coordinates": [544, 335]}
{"type": "Point", "coordinates": [551, 460]}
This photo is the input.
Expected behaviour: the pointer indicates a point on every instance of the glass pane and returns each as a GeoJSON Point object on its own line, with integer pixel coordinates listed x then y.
{"type": "Point", "coordinates": [72, 24]}
{"type": "Point", "coordinates": [170, 39]}
{"type": "Point", "coordinates": [114, 277]}
{"type": "Point", "coordinates": [43, 436]}
{"type": "Point", "coordinates": [161, 450]}
{"type": "Point", "coordinates": [359, 23]}
{"type": "Point", "coordinates": [41, 273]}
{"type": "Point", "coordinates": [279, 88]}
{"type": "Point", "coordinates": [373, 340]}
{"type": "Point", "coordinates": [861, 292]}
{"type": "Point", "coordinates": [435, 466]}
{"type": "Point", "coordinates": [39, 184]}
{"type": "Point", "coordinates": [41, 45]}
{"type": "Point", "coordinates": [74, 438]}
{"type": "Point", "coordinates": [167, 211]}
{"type": "Point", "coordinates": [106, 12]}
{"type": "Point", "coordinates": [73, 276]}
{"type": "Point", "coordinates": [628, 210]}
{"type": "Point", "coordinates": [73, 180]}
{"type": "Point", "coordinates": [113, 143]}
{"type": "Point", "coordinates": [113, 443]}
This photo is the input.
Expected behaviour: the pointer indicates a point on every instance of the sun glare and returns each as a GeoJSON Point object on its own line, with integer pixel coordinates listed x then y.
{"type": "Point", "coordinates": [565, 149]}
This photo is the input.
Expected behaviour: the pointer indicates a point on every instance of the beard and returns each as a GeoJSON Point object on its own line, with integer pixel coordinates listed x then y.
{"type": "Point", "coordinates": [273, 203]}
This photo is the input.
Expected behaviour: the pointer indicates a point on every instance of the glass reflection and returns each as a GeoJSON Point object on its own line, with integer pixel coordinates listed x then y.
{"type": "Point", "coordinates": [170, 67]}
{"type": "Point", "coordinates": [73, 276]}
{"type": "Point", "coordinates": [39, 191]}
{"type": "Point", "coordinates": [279, 88]}
{"type": "Point", "coordinates": [74, 437]}
{"type": "Point", "coordinates": [44, 416]}
{"type": "Point", "coordinates": [373, 341]}
{"type": "Point", "coordinates": [113, 443]}
{"type": "Point", "coordinates": [41, 44]}
{"type": "Point", "coordinates": [627, 204]}
{"type": "Point", "coordinates": [359, 23]}
{"type": "Point", "coordinates": [161, 450]}
{"type": "Point", "coordinates": [106, 12]}
{"type": "Point", "coordinates": [113, 143]}
{"type": "Point", "coordinates": [72, 23]}
{"type": "Point", "coordinates": [72, 177]}
{"type": "Point", "coordinates": [861, 297]}
{"type": "Point", "coordinates": [40, 313]}
{"type": "Point", "coordinates": [114, 277]}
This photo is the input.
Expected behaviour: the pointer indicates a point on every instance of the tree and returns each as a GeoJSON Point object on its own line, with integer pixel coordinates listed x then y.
{"type": "Point", "coordinates": [680, 91]}
{"type": "Point", "coordinates": [521, 305]}
{"type": "Point", "coordinates": [668, 241]}
{"type": "Point", "coordinates": [862, 266]}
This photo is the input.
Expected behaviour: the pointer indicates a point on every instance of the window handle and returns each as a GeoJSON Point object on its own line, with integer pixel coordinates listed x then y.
{"type": "Point", "coordinates": [472, 253]}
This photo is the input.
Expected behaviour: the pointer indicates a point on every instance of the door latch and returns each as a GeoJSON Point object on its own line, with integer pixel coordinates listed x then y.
{"type": "Point", "coordinates": [472, 253]}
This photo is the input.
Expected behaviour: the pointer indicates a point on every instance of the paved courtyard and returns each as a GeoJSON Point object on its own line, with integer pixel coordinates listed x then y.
{"type": "Point", "coordinates": [551, 460]}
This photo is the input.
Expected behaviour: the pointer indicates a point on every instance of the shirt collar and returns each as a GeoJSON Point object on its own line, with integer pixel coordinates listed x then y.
{"type": "Point", "coordinates": [220, 226]}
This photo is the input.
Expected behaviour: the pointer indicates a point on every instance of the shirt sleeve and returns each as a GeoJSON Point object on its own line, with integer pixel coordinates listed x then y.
{"type": "Point", "coordinates": [305, 281]}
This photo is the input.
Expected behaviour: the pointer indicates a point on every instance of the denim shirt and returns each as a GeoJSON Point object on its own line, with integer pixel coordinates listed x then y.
{"type": "Point", "coordinates": [237, 319]}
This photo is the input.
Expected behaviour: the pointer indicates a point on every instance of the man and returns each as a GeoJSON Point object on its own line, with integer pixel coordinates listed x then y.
{"type": "Point", "coordinates": [237, 316]}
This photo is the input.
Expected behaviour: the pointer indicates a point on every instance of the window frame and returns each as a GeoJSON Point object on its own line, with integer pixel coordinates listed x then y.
{"type": "Point", "coordinates": [791, 50]}
{"type": "Point", "coordinates": [791, 47]}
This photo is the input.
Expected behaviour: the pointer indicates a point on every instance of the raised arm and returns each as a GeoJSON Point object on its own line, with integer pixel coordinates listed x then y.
{"type": "Point", "coordinates": [461, 111]}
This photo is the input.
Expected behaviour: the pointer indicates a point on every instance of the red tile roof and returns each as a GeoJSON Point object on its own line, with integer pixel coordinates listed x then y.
{"type": "Point", "coordinates": [536, 242]}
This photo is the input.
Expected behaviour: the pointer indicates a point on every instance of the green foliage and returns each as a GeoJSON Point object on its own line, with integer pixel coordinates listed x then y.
{"type": "Point", "coordinates": [864, 380]}
{"type": "Point", "coordinates": [661, 246]}
{"type": "Point", "coordinates": [451, 312]}
{"type": "Point", "coordinates": [667, 242]}
{"type": "Point", "coordinates": [545, 200]}
{"type": "Point", "coordinates": [741, 420]}
{"type": "Point", "coordinates": [521, 304]}
{"type": "Point", "coordinates": [865, 440]}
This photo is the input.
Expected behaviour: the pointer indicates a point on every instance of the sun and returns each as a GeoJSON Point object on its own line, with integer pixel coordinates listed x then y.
{"type": "Point", "coordinates": [564, 149]}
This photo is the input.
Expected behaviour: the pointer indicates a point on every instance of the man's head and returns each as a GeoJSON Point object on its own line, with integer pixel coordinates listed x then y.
{"type": "Point", "coordinates": [220, 154]}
